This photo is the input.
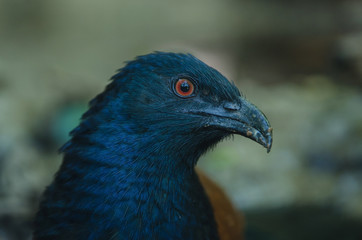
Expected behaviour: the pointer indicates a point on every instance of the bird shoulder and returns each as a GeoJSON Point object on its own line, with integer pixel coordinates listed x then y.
{"type": "Point", "coordinates": [229, 221]}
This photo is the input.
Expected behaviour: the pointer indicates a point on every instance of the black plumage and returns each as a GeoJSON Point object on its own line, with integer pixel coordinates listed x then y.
{"type": "Point", "coordinates": [128, 170]}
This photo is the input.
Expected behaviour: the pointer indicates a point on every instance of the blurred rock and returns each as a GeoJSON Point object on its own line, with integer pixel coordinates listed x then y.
{"type": "Point", "coordinates": [300, 223]}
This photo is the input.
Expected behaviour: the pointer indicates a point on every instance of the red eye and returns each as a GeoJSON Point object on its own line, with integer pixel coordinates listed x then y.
{"type": "Point", "coordinates": [184, 87]}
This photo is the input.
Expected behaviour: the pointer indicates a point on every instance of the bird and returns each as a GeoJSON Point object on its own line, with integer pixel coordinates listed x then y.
{"type": "Point", "coordinates": [129, 169]}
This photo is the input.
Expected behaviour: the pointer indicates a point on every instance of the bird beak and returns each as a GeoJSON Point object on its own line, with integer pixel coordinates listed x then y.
{"type": "Point", "coordinates": [241, 118]}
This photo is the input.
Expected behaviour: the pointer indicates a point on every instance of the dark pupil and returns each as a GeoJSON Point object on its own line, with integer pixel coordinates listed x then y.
{"type": "Point", "coordinates": [185, 87]}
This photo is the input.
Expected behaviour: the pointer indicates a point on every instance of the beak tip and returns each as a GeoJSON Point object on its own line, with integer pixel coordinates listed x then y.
{"type": "Point", "coordinates": [268, 148]}
{"type": "Point", "coordinates": [268, 144]}
{"type": "Point", "coordinates": [269, 139]}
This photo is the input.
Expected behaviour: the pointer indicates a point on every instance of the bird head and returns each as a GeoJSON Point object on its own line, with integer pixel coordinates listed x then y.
{"type": "Point", "coordinates": [174, 103]}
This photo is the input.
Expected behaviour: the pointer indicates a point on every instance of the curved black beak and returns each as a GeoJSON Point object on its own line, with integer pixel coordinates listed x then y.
{"type": "Point", "coordinates": [244, 118]}
{"type": "Point", "coordinates": [253, 124]}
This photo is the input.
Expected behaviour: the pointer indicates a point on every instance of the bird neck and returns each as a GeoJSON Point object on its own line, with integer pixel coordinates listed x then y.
{"type": "Point", "coordinates": [134, 186]}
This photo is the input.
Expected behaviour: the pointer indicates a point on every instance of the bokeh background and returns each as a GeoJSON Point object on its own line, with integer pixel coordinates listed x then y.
{"type": "Point", "coordinates": [300, 61]}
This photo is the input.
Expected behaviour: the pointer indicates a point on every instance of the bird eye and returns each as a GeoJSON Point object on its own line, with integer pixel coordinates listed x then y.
{"type": "Point", "coordinates": [184, 87]}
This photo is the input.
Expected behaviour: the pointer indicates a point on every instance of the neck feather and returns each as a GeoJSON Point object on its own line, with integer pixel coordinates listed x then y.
{"type": "Point", "coordinates": [133, 191]}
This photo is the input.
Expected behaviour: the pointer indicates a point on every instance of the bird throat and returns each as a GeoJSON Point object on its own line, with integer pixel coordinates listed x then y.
{"type": "Point", "coordinates": [137, 194]}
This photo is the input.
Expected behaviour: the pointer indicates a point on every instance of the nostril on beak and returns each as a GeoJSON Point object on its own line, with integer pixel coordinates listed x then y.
{"type": "Point", "coordinates": [231, 106]}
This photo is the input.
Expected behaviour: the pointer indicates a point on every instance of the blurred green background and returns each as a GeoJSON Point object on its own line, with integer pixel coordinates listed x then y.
{"type": "Point", "coordinates": [299, 61]}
